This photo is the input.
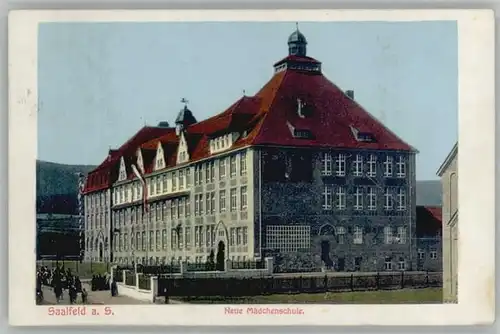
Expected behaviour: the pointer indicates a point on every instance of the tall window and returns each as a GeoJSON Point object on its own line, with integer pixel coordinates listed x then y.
{"type": "Point", "coordinates": [358, 199]}
{"type": "Point", "coordinates": [340, 198]}
{"type": "Point", "coordinates": [243, 163]}
{"type": "Point", "coordinates": [402, 235]}
{"type": "Point", "coordinates": [158, 240]}
{"type": "Point", "coordinates": [232, 167]}
{"type": "Point", "coordinates": [245, 235]}
{"type": "Point", "coordinates": [212, 202]}
{"type": "Point", "coordinates": [358, 165]}
{"type": "Point", "coordinates": [174, 181]}
{"type": "Point", "coordinates": [212, 171]}
{"type": "Point", "coordinates": [151, 240]}
{"type": "Point", "coordinates": [173, 239]}
{"type": "Point", "coordinates": [164, 238]}
{"type": "Point", "coordinates": [208, 177]}
{"type": "Point", "coordinates": [243, 198]}
{"type": "Point", "coordinates": [181, 179]}
{"type": "Point", "coordinates": [421, 254]}
{"type": "Point", "coordinates": [400, 167]}
{"type": "Point", "coordinates": [401, 199]}
{"type": "Point", "coordinates": [340, 163]}
{"type": "Point", "coordinates": [143, 241]}
{"type": "Point", "coordinates": [388, 263]}
{"type": "Point", "coordinates": [388, 199]}
{"type": "Point", "coordinates": [187, 205]}
{"type": "Point", "coordinates": [372, 199]}
{"type": "Point", "coordinates": [326, 163]}
{"type": "Point", "coordinates": [388, 235]}
{"type": "Point", "coordinates": [340, 235]}
{"type": "Point", "coordinates": [164, 181]}
{"type": "Point", "coordinates": [200, 197]}
{"type": "Point", "coordinates": [222, 168]}
{"type": "Point", "coordinates": [233, 199]}
{"type": "Point", "coordinates": [327, 198]}
{"type": "Point", "coordinates": [372, 166]}
{"type": "Point", "coordinates": [209, 204]}
{"type": "Point", "coordinates": [181, 207]}
{"type": "Point", "coordinates": [222, 201]}
{"type": "Point", "coordinates": [196, 176]}
{"type": "Point", "coordinates": [388, 166]}
{"type": "Point", "coordinates": [188, 177]}
{"type": "Point", "coordinates": [358, 235]}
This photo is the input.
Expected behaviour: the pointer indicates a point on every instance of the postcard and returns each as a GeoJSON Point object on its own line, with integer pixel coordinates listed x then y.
{"type": "Point", "coordinates": [291, 167]}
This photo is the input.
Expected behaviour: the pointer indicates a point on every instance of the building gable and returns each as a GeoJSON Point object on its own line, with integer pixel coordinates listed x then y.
{"type": "Point", "coordinates": [182, 150]}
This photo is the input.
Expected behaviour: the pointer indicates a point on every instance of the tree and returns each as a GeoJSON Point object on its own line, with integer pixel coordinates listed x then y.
{"type": "Point", "coordinates": [211, 261]}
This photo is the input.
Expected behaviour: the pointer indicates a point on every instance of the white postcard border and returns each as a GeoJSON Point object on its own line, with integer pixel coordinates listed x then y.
{"type": "Point", "coordinates": [476, 161]}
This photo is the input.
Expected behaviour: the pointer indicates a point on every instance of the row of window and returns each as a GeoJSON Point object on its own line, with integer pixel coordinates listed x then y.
{"type": "Point", "coordinates": [206, 171]}
{"type": "Point", "coordinates": [337, 164]}
{"type": "Point", "coordinates": [295, 238]}
{"type": "Point", "coordinates": [364, 197]}
{"type": "Point", "coordinates": [96, 201]}
{"type": "Point", "coordinates": [156, 260]}
{"type": "Point", "coordinates": [180, 239]}
{"type": "Point", "coordinates": [181, 208]}
{"type": "Point", "coordinates": [433, 254]}
{"type": "Point", "coordinates": [181, 179]}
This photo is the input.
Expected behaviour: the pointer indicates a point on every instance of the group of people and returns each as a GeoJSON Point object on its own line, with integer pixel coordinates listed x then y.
{"type": "Point", "coordinates": [60, 280]}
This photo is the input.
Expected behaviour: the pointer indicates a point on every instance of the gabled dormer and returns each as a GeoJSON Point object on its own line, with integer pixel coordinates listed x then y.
{"type": "Point", "coordinates": [159, 158]}
{"type": "Point", "coordinates": [140, 161]}
{"type": "Point", "coordinates": [122, 174]}
{"type": "Point", "coordinates": [182, 150]}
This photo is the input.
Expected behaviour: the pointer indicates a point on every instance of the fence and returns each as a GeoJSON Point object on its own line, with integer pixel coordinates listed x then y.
{"type": "Point", "coordinates": [130, 278]}
{"type": "Point", "coordinates": [158, 270]}
{"type": "Point", "coordinates": [237, 287]}
{"type": "Point", "coordinates": [144, 282]}
{"type": "Point", "coordinates": [248, 264]}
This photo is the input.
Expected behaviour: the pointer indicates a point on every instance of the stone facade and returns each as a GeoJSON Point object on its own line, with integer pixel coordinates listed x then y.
{"type": "Point", "coordinates": [293, 194]}
{"type": "Point", "coordinates": [449, 180]}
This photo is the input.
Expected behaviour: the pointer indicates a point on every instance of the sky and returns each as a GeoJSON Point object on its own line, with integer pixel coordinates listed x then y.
{"type": "Point", "coordinates": [99, 83]}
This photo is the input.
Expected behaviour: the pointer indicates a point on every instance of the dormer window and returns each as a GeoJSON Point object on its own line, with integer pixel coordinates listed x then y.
{"type": "Point", "coordinates": [300, 108]}
{"type": "Point", "coordinates": [182, 150]}
{"type": "Point", "coordinates": [222, 143]}
{"type": "Point", "coordinates": [362, 136]}
{"type": "Point", "coordinates": [122, 175]}
{"type": "Point", "coordinates": [160, 158]}
{"type": "Point", "coordinates": [140, 162]}
{"type": "Point", "coordinates": [302, 134]}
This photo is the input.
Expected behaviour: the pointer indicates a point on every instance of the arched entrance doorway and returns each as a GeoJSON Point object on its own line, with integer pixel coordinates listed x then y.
{"type": "Point", "coordinates": [220, 259]}
{"type": "Point", "coordinates": [326, 235]}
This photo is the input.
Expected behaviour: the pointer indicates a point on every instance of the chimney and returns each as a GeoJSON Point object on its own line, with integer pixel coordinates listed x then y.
{"type": "Point", "coordinates": [350, 94]}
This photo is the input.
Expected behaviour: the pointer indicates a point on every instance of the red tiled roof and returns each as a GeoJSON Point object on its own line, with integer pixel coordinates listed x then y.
{"type": "Point", "coordinates": [297, 59]}
{"type": "Point", "coordinates": [265, 119]}
{"type": "Point", "coordinates": [429, 220]}
{"type": "Point", "coordinates": [106, 173]}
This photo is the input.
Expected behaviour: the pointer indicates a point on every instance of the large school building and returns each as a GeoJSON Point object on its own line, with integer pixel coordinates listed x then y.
{"type": "Point", "coordinates": [299, 171]}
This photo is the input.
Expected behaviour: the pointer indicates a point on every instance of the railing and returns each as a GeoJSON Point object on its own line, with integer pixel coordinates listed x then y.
{"type": "Point", "coordinates": [144, 282]}
{"type": "Point", "coordinates": [201, 266]}
{"type": "Point", "coordinates": [248, 264]}
{"type": "Point", "coordinates": [130, 279]}
{"type": "Point", "coordinates": [233, 287]}
{"type": "Point", "coordinates": [161, 269]}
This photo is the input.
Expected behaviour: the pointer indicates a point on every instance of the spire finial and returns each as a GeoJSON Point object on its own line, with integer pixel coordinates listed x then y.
{"type": "Point", "coordinates": [185, 101]}
{"type": "Point", "coordinates": [297, 25]}
{"type": "Point", "coordinates": [244, 93]}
